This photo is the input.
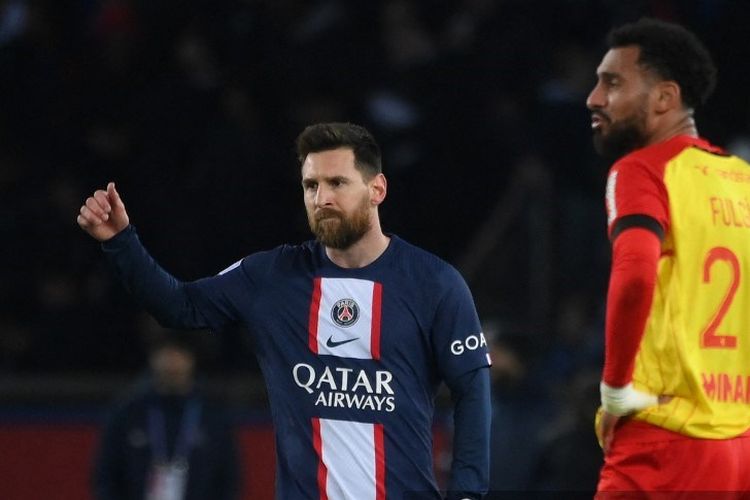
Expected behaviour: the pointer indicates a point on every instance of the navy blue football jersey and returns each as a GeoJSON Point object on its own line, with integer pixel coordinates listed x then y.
{"type": "Point", "coordinates": [352, 358]}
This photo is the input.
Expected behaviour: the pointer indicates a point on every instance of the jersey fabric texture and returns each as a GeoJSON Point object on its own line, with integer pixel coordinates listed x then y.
{"type": "Point", "coordinates": [352, 358]}
{"type": "Point", "coordinates": [695, 345]}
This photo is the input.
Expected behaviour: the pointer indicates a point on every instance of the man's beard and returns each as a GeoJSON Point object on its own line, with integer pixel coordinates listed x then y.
{"type": "Point", "coordinates": [335, 230]}
{"type": "Point", "coordinates": [622, 138]}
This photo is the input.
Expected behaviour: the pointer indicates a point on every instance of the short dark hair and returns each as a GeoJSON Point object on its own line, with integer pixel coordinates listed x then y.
{"type": "Point", "coordinates": [328, 136]}
{"type": "Point", "coordinates": [673, 53]}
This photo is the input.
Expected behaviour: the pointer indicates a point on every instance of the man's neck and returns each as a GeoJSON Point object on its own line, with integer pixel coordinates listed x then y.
{"type": "Point", "coordinates": [684, 125]}
{"type": "Point", "coordinates": [362, 253]}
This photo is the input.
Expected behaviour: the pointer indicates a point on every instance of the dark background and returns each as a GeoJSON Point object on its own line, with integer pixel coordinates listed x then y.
{"type": "Point", "coordinates": [192, 108]}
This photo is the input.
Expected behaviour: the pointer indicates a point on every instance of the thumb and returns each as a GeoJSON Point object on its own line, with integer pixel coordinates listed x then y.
{"type": "Point", "coordinates": [609, 422]}
{"type": "Point", "coordinates": [114, 196]}
{"type": "Point", "coordinates": [609, 435]}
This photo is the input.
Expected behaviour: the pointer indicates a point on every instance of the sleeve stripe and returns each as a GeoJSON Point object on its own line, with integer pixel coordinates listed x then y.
{"type": "Point", "coordinates": [637, 220]}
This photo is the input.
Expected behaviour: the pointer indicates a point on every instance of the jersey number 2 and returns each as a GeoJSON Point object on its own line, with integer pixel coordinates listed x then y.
{"type": "Point", "coordinates": [710, 338]}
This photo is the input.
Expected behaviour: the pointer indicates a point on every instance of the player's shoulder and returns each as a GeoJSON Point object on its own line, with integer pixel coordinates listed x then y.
{"type": "Point", "coordinates": [289, 251]}
{"type": "Point", "coordinates": [413, 254]}
{"type": "Point", "coordinates": [656, 157]}
{"type": "Point", "coordinates": [415, 261]}
{"type": "Point", "coordinates": [277, 258]}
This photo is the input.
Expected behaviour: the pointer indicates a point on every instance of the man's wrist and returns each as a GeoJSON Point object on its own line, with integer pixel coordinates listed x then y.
{"type": "Point", "coordinates": [620, 401]}
{"type": "Point", "coordinates": [120, 239]}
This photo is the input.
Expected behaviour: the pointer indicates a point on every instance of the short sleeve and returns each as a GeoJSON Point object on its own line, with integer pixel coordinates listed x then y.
{"type": "Point", "coordinates": [636, 188]}
{"type": "Point", "coordinates": [459, 343]}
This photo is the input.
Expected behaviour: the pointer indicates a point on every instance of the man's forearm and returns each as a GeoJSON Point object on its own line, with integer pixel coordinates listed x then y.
{"type": "Point", "coordinates": [158, 291]}
{"type": "Point", "coordinates": [471, 449]}
{"type": "Point", "coordinates": [634, 264]}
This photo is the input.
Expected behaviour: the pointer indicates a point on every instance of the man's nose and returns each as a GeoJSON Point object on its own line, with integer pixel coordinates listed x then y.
{"type": "Point", "coordinates": [322, 196]}
{"type": "Point", "coordinates": [596, 99]}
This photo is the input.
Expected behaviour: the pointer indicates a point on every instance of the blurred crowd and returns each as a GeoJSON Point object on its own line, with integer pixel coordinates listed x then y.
{"type": "Point", "coordinates": [192, 106]}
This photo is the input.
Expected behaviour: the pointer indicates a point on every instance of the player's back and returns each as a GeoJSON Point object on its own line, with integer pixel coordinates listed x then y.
{"type": "Point", "coordinates": [696, 346]}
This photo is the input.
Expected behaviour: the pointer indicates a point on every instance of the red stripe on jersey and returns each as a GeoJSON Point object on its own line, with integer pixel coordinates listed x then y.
{"type": "Point", "coordinates": [379, 461]}
{"type": "Point", "coordinates": [377, 295]}
{"type": "Point", "coordinates": [322, 471]}
{"type": "Point", "coordinates": [312, 326]}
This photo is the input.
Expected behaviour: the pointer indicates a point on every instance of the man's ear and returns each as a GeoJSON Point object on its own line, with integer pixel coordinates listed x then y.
{"type": "Point", "coordinates": [668, 96]}
{"type": "Point", "coordinates": [378, 189]}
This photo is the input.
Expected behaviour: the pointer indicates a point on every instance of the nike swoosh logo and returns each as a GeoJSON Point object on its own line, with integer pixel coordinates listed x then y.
{"type": "Point", "coordinates": [332, 343]}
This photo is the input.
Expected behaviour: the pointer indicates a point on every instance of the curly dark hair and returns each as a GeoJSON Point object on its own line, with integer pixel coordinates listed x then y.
{"type": "Point", "coordinates": [672, 53]}
{"type": "Point", "coordinates": [327, 136]}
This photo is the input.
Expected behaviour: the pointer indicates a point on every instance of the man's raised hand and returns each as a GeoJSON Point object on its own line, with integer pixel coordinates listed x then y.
{"type": "Point", "coordinates": [103, 215]}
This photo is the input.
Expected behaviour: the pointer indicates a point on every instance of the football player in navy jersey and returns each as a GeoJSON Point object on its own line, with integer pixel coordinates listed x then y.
{"type": "Point", "coordinates": [354, 332]}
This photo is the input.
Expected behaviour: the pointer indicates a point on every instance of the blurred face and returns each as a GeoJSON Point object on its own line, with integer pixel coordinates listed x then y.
{"type": "Point", "coordinates": [338, 199]}
{"type": "Point", "coordinates": [619, 103]}
{"type": "Point", "coordinates": [172, 369]}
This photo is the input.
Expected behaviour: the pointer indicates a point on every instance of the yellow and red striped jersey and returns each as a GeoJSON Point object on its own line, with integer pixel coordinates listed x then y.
{"type": "Point", "coordinates": [696, 343]}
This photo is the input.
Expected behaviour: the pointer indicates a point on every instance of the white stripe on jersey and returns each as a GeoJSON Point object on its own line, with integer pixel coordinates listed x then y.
{"type": "Point", "coordinates": [233, 266]}
{"type": "Point", "coordinates": [345, 318]}
{"type": "Point", "coordinates": [349, 451]}
{"type": "Point", "coordinates": [611, 197]}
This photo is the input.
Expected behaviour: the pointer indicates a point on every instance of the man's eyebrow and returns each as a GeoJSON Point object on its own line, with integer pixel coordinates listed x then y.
{"type": "Point", "coordinates": [609, 75]}
{"type": "Point", "coordinates": [332, 178]}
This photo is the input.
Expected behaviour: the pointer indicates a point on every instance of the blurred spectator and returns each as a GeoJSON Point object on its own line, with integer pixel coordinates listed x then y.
{"type": "Point", "coordinates": [166, 440]}
{"type": "Point", "coordinates": [576, 344]}
{"type": "Point", "coordinates": [569, 458]}
{"type": "Point", "coordinates": [521, 408]}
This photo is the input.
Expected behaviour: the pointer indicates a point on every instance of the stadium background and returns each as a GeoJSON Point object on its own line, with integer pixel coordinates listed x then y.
{"type": "Point", "coordinates": [192, 107]}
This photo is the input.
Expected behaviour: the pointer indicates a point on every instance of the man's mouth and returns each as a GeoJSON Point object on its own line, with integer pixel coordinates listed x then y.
{"type": "Point", "coordinates": [597, 121]}
{"type": "Point", "coordinates": [326, 214]}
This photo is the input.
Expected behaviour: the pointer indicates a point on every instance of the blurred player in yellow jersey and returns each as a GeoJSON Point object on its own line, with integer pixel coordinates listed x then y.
{"type": "Point", "coordinates": [675, 387]}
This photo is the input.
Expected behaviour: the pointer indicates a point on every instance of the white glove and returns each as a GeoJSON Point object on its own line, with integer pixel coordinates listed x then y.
{"type": "Point", "coordinates": [619, 401]}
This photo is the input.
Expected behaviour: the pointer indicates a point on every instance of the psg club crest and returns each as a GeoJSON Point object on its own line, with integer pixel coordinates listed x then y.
{"type": "Point", "coordinates": [345, 312]}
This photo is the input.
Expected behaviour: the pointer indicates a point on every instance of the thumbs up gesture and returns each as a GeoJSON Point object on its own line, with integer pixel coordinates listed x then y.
{"type": "Point", "coordinates": [103, 215]}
